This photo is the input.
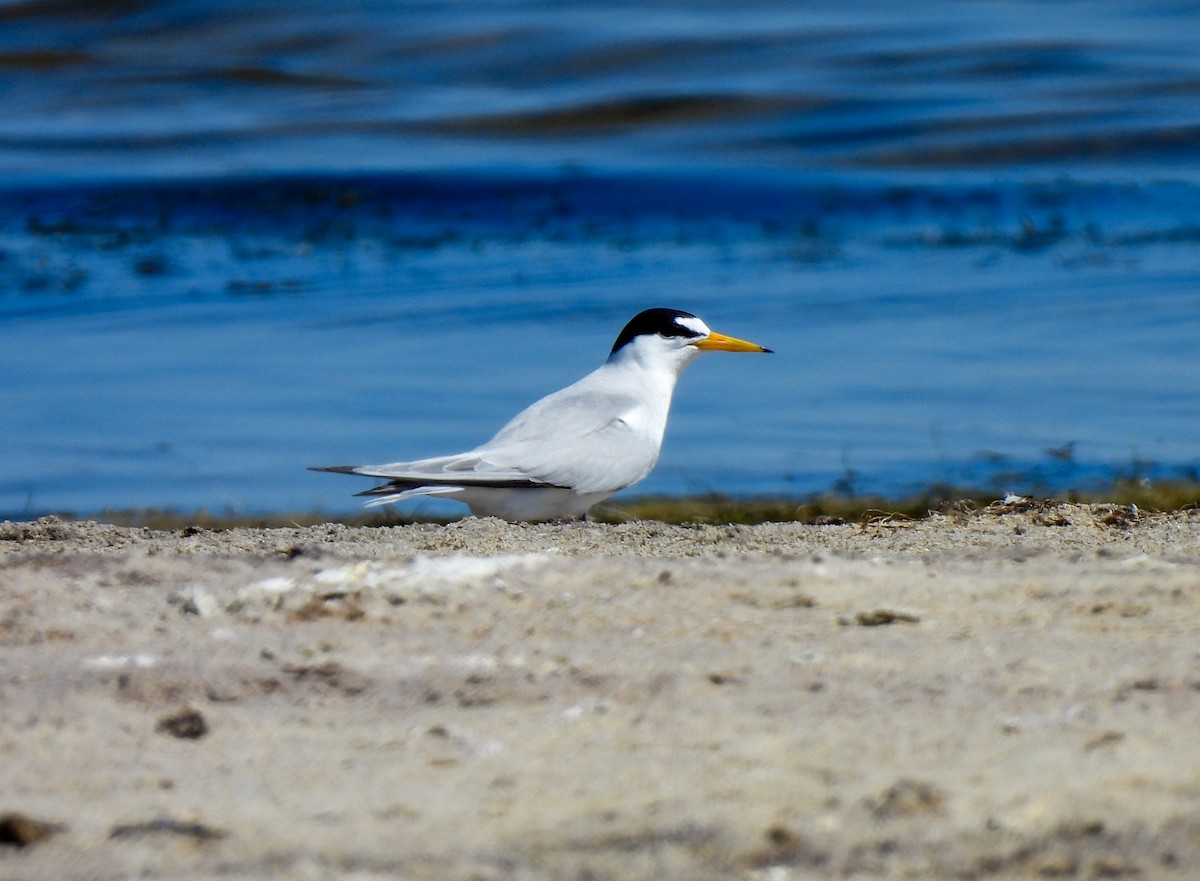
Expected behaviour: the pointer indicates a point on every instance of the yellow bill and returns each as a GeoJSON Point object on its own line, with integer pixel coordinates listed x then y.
{"type": "Point", "coordinates": [718, 342]}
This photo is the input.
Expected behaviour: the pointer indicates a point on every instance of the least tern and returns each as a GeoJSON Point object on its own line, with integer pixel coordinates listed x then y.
{"type": "Point", "coordinates": [560, 456]}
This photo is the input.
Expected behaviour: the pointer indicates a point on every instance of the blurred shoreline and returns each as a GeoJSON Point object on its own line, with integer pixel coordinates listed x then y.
{"type": "Point", "coordinates": [1125, 502]}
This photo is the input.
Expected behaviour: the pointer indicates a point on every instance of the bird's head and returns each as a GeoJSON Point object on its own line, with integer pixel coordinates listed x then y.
{"type": "Point", "coordinates": [670, 337]}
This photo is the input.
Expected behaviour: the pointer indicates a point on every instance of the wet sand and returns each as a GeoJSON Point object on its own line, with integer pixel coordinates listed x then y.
{"type": "Point", "coordinates": [1008, 694]}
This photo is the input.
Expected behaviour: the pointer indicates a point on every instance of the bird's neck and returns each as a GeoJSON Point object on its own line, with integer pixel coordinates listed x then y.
{"type": "Point", "coordinates": [654, 378]}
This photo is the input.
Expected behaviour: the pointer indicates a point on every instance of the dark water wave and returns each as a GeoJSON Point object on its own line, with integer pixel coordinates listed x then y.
{"type": "Point", "coordinates": [159, 87]}
{"type": "Point", "coordinates": [48, 227]}
{"type": "Point", "coordinates": [316, 206]}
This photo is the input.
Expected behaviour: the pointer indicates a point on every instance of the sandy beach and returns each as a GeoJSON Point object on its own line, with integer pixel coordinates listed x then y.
{"type": "Point", "coordinates": [1010, 693]}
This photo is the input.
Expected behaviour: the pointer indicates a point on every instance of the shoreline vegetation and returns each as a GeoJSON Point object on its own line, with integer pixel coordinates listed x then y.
{"type": "Point", "coordinates": [1130, 497]}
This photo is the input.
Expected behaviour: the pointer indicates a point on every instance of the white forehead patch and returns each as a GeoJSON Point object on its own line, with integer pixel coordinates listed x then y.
{"type": "Point", "coordinates": [694, 324]}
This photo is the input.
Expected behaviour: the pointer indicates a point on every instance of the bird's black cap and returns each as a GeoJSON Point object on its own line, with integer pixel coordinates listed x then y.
{"type": "Point", "coordinates": [664, 322]}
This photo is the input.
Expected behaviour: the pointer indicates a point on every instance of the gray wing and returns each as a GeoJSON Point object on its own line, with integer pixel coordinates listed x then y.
{"type": "Point", "coordinates": [584, 441]}
{"type": "Point", "coordinates": [460, 470]}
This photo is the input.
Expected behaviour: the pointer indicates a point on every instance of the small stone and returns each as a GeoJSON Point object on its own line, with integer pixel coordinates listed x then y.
{"type": "Point", "coordinates": [718, 677]}
{"type": "Point", "coordinates": [200, 602]}
{"type": "Point", "coordinates": [794, 601]}
{"type": "Point", "coordinates": [881, 617]}
{"type": "Point", "coordinates": [1057, 866]}
{"type": "Point", "coordinates": [21, 831]}
{"type": "Point", "coordinates": [782, 846]}
{"type": "Point", "coordinates": [187, 724]}
{"type": "Point", "coordinates": [1106, 738]}
{"type": "Point", "coordinates": [170, 826]}
{"type": "Point", "coordinates": [906, 798]}
{"type": "Point", "coordinates": [1113, 867]}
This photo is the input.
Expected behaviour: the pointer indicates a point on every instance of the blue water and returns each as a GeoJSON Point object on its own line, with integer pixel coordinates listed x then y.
{"type": "Point", "coordinates": [235, 242]}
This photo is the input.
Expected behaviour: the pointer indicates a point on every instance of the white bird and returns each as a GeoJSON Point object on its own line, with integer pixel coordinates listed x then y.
{"type": "Point", "coordinates": [573, 448]}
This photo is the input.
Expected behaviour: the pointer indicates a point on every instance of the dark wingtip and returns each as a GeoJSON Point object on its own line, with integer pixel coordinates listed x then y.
{"type": "Point", "coordinates": [384, 489]}
{"type": "Point", "coordinates": [337, 469]}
